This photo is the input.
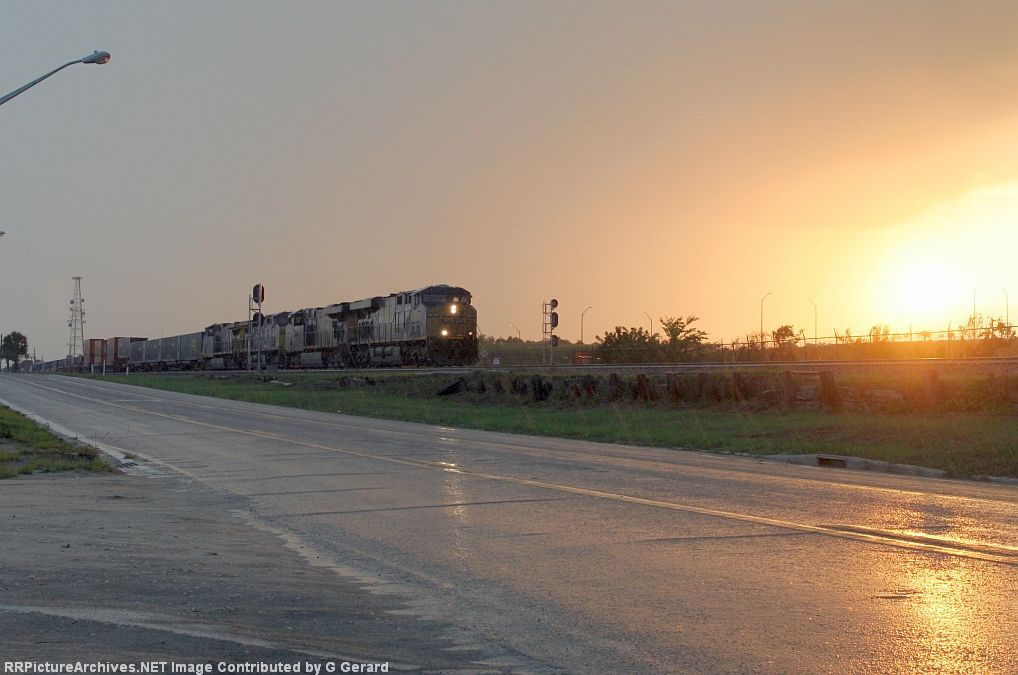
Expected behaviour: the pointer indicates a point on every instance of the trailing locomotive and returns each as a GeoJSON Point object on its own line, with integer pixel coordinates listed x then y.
{"type": "Point", "coordinates": [434, 325]}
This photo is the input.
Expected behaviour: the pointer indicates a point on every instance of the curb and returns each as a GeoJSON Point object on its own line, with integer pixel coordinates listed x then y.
{"type": "Point", "coordinates": [859, 464]}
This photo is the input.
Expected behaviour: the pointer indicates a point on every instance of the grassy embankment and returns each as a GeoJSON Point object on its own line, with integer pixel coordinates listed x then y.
{"type": "Point", "coordinates": [26, 448]}
{"type": "Point", "coordinates": [968, 444]}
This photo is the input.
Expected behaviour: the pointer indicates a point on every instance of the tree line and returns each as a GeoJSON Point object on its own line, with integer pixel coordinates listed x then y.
{"type": "Point", "coordinates": [681, 341]}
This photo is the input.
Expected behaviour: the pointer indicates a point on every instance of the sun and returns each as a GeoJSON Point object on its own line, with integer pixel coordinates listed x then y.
{"type": "Point", "coordinates": [926, 289]}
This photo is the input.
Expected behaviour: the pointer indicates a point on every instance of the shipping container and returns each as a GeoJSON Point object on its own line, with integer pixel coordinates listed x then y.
{"type": "Point", "coordinates": [190, 347]}
{"type": "Point", "coordinates": [151, 351]}
{"type": "Point", "coordinates": [118, 352]}
{"type": "Point", "coordinates": [168, 349]}
{"type": "Point", "coordinates": [95, 351]}
{"type": "Point", "coordinates": [136, 353]}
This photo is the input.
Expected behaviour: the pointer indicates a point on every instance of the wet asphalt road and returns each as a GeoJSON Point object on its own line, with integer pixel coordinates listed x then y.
{"type": "Point", "coordinates": [100, 568]}
{"type": "Point", "coordinates": [597, 558]}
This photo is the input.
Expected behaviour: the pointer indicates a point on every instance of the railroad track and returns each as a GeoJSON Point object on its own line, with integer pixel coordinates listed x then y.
{"type": "Point", "coordinates": [1007, 362]}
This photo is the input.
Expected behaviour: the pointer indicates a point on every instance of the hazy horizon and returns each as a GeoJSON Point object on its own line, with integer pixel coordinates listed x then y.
{"type": "Point", "coordinates": [660, 157]}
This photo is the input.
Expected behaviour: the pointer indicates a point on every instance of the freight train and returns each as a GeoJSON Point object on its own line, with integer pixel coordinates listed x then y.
{"type": "Point", "coordinates": [430, 326]}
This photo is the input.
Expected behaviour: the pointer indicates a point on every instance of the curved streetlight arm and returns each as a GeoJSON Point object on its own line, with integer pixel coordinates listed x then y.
{"type": "Point", "coordinates": [96, 57]}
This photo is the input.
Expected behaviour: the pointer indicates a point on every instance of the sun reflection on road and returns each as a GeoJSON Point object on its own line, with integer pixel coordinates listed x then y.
{"type": "Point", "coordinates": [453, 493]}
{"type": "Point", "coordinates": [942, 610]}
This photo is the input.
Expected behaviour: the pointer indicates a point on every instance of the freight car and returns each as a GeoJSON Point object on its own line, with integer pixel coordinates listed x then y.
{"type": "Point", "coordinates": [434, 325]}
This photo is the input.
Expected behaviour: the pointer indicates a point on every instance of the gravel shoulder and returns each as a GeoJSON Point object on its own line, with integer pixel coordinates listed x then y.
{"type": "Point", "coordinates": [130, 568]}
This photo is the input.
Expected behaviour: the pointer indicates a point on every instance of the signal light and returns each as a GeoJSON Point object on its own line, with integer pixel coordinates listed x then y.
{"type": "Point", "coordinates": [550, 324]}
{"type": "Point", "coordinates": [258, 293]}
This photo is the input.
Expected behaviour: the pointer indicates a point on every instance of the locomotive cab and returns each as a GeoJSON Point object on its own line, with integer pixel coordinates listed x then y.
{"type": "Point", "coordinates": [451, 325]}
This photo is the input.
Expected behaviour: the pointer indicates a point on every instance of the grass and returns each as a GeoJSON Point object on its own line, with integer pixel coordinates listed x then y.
{"type": "Point", "coordinates": [27, 448]}
{"type": "Point", "coordinates": [964, 444]}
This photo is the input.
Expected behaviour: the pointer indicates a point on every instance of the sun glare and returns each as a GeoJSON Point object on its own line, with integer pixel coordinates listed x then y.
{"type": "Point", "coordinates": [939, 264]}
{"type": "Point", "coordinates": [926, 288]}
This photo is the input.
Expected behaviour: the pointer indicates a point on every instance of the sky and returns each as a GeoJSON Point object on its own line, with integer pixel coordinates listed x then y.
{"type": "Point", "coordinates": [638, 158]}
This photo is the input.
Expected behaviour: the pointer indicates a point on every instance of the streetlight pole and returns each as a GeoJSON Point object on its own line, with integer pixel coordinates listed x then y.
{"type": "Point", "coordinates": [1007, 307]}
{"type": "Point", "coordinates": [95, 57]}
{"type": "Point", "coordinates": [762, 342]}
{"type": "Point", "coordinates": [650, 324]}
{"type": "Point", "coordinates": [814, 329]}
{"type": "Point", "coordinates": [974, 309]}
{"type": "Point", "coordinates": [581, 324]}
{"type": "Point", "coordinates": [814, 320]}
{"type": "Point", "coordinates": [519, 335]}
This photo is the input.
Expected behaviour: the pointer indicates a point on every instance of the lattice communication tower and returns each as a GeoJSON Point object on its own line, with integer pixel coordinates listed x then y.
{"type": "Point", "coordinates": [76, 342]}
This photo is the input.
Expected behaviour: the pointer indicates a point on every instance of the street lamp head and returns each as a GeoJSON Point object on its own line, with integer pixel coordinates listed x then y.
{"type": "Point", "coordinates": [97, 57]}
{"type": "Point", "coordinates": [94, 57]}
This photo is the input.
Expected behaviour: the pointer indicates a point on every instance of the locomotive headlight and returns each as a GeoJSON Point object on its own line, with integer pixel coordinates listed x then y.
{"type": "Point", "coordinates": [444, 332]}
{"type": "Point", "coordinates": [453, 309]}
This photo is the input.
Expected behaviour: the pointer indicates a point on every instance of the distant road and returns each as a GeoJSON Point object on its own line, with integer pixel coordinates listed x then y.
{"type": "Point", "coordinates": [595, 557]}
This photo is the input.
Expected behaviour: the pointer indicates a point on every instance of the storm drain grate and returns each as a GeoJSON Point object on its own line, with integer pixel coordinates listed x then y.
{"type": "Point", "coordinates": [837, 462]}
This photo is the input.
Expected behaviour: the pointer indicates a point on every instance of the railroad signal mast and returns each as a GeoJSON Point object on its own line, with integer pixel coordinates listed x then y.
{"type": "Point", "coordinates": [254, 316]}
{"type": "Point", "coordinates": [549, 322]}
{"type": "Point", "coordinates": [76, 341]}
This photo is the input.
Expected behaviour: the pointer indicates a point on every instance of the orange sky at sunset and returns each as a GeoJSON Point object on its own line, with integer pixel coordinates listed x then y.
{"type": "Point", "coordinates": [660, 157]}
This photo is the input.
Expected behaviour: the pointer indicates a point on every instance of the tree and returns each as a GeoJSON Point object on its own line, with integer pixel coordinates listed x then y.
{"type": "Point", "coordinates": [784, 342]}
{"type": "Point", "coordinates": [13, 347]}
{"type": "Point", "coordinates": [783, 335]}
{"type": "Point", "coordinates": [1002, 330]}
{"type": "Point", "coordinates": [683, 340]}
{"type": "Point", "coordinates": [628, 345]}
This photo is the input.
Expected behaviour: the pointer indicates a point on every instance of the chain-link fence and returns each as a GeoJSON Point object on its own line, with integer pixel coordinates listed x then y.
{"type": "Point", "coordinates": [966, 341]}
